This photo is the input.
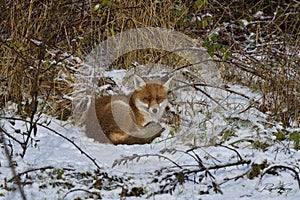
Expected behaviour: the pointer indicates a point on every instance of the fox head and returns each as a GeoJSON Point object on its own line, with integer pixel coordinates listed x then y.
{"type": "Point", "coordinates": [150, 98]}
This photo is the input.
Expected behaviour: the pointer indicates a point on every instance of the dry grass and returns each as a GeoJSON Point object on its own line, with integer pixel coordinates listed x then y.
{"type": "Point", "coordinates": [265, 53]}
{"type": "Point", "coordinates": [67, 30]}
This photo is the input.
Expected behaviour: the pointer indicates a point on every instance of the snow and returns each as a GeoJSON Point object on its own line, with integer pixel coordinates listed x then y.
{"type": "Point", "coordinates": [229, 142]}
{"type": "Point", "coordinates": [245, 22]}
{"type": "Point", "coordinates": [36, 42]}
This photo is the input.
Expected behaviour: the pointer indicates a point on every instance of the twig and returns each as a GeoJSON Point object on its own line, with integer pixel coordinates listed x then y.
{"type": "Point", "coordinates": [173, 178]}
{"type": "Point", "coordinates": [232, 149]}
{"type": "Point", "coordinates": [32, 170]}
{"type": "Point", "coordinates": [195, 86]}
{"type": "Point", "coordinates": [10, 136]}
{"type": "Point", "coordinates": [12, 167]}
{"type": "Point", "coordinates": [125, 159]}
{"type": "Point", "coordinates": [274, 167]}
{"type": "Point", "coordinates": [59, 134]}
{"type": "Point", "coordinates": [78, 189]}
{"type": "Point", "coordinates": [241, 162]}
{"type": "Point", "coordinates": [200, 147]}
{"type": "Point", "coordinates": [225, 180]}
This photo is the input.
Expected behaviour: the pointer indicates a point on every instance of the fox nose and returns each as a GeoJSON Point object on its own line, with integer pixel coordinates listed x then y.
{"type": "Point", "coordinates": [154, 110]}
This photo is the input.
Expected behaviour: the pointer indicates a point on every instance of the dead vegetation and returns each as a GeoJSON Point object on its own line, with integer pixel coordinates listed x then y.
{"type": "Point", "coordinates": [44, 42]}
{"type": "Point", "coordinates": [254, 43]}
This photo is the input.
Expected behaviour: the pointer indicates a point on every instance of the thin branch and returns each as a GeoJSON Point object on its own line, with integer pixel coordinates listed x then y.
{"type": "Point", "coordinates": [206, 94]}
{"type": "Point", "coordinates": [195, 86]}
{"type": "Point", "coordinates": [12, 167]}
{"type": "Point", "coordinates": [32, 170]}
{"type": "Point", "coordinates": [10, 136]}
{"type": "Point", "coordinates": [135, 156]}
{"type": "Point", "coordinates": [274, 167]}
{"type": "Point", "coordinates": [232, 149]}
{"type": "Point", "coordinates": [225, 180]}
{"type": "Point", "coordinates": [59, 134]}
{"type": "Point", "coordinates": [78, 189]}
{"type": "Point", "coordinates": [201, 148]}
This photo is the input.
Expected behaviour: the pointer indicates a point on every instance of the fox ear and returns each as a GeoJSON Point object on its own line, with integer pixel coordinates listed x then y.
{"type": "Point", "coordinates": [167, 83]}
{"type": "Point", "coordinates": [138, 82]}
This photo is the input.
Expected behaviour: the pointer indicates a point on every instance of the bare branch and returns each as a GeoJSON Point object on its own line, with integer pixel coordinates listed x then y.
{"type": "Point", "coordinates": [59, 134]}
{"type": "Point", "coordinates": [12, 167]}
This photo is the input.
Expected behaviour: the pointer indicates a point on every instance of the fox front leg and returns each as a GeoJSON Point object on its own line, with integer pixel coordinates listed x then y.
{"type": "Point", "coordinates": [149, 131]}
{"type": "Point", "coordinates": [143, 135]}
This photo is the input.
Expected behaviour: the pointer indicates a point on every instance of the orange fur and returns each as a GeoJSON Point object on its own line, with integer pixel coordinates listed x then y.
{"type": "Point", "coordinates": [133, 119]}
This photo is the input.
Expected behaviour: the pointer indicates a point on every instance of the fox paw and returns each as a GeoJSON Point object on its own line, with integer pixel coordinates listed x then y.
{"type": "Point", "coordinates": [154, 127]}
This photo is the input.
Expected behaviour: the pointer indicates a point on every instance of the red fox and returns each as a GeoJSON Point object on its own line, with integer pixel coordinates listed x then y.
{"type": "Point", "coordinates": [133, 119]}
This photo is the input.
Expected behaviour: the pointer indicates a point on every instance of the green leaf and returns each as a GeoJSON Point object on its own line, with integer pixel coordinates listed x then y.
{"type": "Point", "coordinates": [214, 37]}
{"type": "Point", "coordinates": [227, 135]}
{"type": "Point", "coordinates": [280, 136]}
{"type": "Point", "coordinates": [206, 43]}
{"type": "Point", "coordinates": [226, 53]}
{"type": "Point", "coordinates": [295, 136]}
{"type": "Point", "coordinates": [106, 3]}
{"type": "Point", "coordinates": [211, 50]}
{"type": "Point", "coordinates": [201, 4]}
{"type": "Point", "coordinates": [171, 133]}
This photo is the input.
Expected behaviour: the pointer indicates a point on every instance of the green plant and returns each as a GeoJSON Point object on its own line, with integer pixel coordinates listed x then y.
{"type": "Point", "coordinates": [214, 47]}
{"type": "Point", "coordinates": [295, 137]}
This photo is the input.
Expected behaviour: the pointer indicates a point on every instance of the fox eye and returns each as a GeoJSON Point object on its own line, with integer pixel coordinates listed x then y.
{"type": "Point", "coordinates": [147, 99]}
{"type": "Point", "coordinates": [158, 99]}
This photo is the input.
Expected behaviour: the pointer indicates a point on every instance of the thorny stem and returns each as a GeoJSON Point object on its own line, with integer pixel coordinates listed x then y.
{"type": "Point", "coordinates": [118, 162]}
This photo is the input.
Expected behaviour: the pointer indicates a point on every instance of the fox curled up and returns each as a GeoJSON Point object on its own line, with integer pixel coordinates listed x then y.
{"type": "Point", "coordinates": [133, 119]}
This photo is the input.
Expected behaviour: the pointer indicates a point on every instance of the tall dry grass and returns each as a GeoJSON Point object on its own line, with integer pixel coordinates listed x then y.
{"type": "Point", "coordinates": [41, 41]}
{"type": "Point", "coordinates": [264, 40]}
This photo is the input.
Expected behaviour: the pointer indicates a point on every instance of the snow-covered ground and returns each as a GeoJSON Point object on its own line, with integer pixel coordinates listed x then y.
{"type": "Point", "coordinates": [232, 154]}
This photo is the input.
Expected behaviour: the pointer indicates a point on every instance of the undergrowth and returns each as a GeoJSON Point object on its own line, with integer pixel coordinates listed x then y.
{"type": "Point", "coordinates": [256, 44]}
{"type": "Point", "coordinates": [253, 43]}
